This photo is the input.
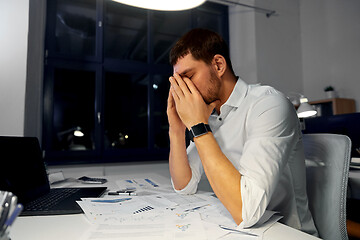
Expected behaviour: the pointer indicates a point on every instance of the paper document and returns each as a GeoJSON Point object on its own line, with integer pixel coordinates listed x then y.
{"type": "Point", "coordinates": [160, 213]}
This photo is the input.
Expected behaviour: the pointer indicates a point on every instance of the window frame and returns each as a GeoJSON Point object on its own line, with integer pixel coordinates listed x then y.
{"type": "Point", "coordinates": [100, 64]}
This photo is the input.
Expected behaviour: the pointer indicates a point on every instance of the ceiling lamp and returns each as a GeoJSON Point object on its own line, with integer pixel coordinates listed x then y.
{"type": "Point", "coordinates": [163, 5]}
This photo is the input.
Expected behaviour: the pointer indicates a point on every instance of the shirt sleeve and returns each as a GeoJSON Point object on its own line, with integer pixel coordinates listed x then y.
{"type": "Point", "coordinates": [272, 132]}
{"type": "Point", "coordinates": [196, 171]}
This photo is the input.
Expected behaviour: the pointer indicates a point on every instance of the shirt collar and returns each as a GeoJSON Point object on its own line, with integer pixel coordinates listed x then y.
{"type": "Point", "coordinates": [238, 94]}
{"type": "Point", "coordinates": [235, 98]}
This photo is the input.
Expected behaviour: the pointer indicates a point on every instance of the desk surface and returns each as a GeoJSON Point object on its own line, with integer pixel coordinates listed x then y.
{"type": "Point", "coordinates": [73, 226]}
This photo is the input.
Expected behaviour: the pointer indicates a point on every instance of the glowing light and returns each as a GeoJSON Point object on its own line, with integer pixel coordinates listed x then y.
{"type": "Point", "coordinates": [163, 5]}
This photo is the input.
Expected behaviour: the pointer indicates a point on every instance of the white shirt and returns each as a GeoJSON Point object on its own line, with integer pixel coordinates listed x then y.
{"type": "Point", "coordinates": [258, 131]}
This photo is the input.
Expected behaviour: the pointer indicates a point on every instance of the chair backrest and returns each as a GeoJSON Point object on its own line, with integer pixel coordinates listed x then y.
{"type": "Point", "coordinates": [327, 159]}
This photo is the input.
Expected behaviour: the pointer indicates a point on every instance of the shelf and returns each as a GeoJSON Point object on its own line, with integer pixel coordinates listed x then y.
{"type": "Point", "coordinates": [334, 106]}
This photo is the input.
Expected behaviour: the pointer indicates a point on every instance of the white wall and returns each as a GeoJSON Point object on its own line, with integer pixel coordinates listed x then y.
{"type": "Point", "coordinates": [267, 50]}
{"type": "Point", "coordinates": [13, 55]}
{"type": "Point", "coordinates": [278, 46]}
{"type": "Point", "coordinates": [331, 47]}
{"type": "Point", "coordinates": [307, 46]}
{"type": "Point", "coordinates": [243, 42]}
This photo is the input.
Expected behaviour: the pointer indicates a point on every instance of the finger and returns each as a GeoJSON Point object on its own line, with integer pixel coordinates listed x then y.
{"type": "Point", "coordinates": [213, 104]}
{"type": "Point", "coordinates": [193, 89]}
{"type": "Point", "coordinates": [182, 84]}
{"type": "Point", "coordinates": [175, 87]}
{"type": "Point", "coordinates": [175, 97]}
{"type": "Point", "coordinates": [170, 99]}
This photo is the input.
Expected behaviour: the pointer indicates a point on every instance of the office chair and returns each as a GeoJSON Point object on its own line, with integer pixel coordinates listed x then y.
{"type": "Point", "coordinates": [327, 159]}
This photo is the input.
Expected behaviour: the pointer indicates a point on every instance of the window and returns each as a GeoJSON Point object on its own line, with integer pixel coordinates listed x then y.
{"type": "Point", "coordinates": [106, 78]}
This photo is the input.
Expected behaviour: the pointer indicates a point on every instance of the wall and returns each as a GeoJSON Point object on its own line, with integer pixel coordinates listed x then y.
{"type": "Point", "coordinates": [278, 46]}
{"type": "Point", "coordinates": [13, 55]}
{"type": "Point", "coordinates": [331, 47]}
{"type": "Point", "coordinates": [243, 42]}
{"type": "Point", "coordinates": [267, 50]}
{"type": "Point", "coordinates": [35, 58]}
{"type": "Point", "coordinates": [305, 47]}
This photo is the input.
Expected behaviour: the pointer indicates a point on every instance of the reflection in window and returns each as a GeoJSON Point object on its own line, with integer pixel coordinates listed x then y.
{"type": "Point", "coordinates": [125, 34]}
{"type": "Point", "coordinates": [74, 96]}
{"type": "Point", "coordinates": [210, 18]}
{"type": "Point", "coordinates": [126, 114]}
{"type": "Point", "coordinates": [76, 27]}
{"type": "Point", "coordinates": [168, 28]}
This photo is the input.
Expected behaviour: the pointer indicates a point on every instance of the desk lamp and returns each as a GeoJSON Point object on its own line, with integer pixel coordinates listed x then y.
{"type": "Point", "coordinates": [163, 5]}
{"type": "Point", "coordinates": [305, 109]}
{"type": "Point", "coordinates": [75, 130]}
{"type": "Point", "coordinates": [66, 138]}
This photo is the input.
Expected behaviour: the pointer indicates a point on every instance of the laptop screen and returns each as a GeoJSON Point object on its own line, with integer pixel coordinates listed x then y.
{"type": "Point", "coordinates": [22, 169]}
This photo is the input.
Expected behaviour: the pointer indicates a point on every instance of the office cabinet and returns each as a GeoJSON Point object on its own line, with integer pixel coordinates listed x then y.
{"type": "Point", "coordinates": [334, 106]}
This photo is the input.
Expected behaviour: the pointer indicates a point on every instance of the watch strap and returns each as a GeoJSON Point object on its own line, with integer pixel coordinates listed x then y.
{"type": "Point", "coordinates": [198, 130]}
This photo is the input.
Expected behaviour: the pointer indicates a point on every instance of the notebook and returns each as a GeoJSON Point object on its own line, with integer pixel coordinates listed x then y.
{"type": "Point", "coordinates": [23, 173]}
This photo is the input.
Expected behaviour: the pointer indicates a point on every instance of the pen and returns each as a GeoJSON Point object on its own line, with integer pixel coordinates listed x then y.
{"type": "Point", "coordinates": [4, 216]}
{"type": "Point", "coordinates": [111, 200]}
{"type": "Point", "coordinates": [195, 208]}
{"type": "Point", "coordinates": [122, 193]}
{"type": "Point", "coordinates": [19, 207]}
{"type": "Point", "coordinates": [235, 230]}
{"type": "Point", "coordinates": [13, 203]}
{"type": "Point", "coordinates": [5, 208]}
{"type": "Point", "coordinates": [4, 195]}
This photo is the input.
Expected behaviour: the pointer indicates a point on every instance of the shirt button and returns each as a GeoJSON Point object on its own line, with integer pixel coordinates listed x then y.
{"type": "Point", "coordinates": [220, 119]}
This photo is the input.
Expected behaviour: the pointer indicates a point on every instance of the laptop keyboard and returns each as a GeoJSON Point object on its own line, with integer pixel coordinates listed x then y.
{"type": "Point", "coordinates": [49, 200]}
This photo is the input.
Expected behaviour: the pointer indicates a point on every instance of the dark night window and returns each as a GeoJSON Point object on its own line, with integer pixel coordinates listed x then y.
{"type": "Point", "coordinates": [106, 78]}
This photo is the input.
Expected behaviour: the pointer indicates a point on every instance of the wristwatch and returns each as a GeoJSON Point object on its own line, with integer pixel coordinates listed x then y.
{"type": "Point", "coordinates": [198, 130]}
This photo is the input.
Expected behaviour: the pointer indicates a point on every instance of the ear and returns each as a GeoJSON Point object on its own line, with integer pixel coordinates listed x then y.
{"type": "Point", "coordinates": [219, 64]}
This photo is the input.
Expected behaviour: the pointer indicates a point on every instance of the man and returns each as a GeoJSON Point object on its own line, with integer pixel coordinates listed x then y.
{"type": "Point", "coordinates": [251, 149]}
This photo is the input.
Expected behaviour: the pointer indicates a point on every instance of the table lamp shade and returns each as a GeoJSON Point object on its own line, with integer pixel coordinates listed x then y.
{"type": "Point", "coordinates": [305, 109]}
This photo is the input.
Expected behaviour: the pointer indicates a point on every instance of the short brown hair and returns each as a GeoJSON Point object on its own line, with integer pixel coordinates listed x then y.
{"type": "Point", "coordinates": [203, 44]}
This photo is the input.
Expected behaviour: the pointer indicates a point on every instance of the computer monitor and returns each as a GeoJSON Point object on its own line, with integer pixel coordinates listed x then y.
{"type": "Point", "coordinates": [345, 124]}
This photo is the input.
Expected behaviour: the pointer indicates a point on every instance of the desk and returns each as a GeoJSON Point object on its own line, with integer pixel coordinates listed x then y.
{"type": "Point", "coordinates": [71, 227]}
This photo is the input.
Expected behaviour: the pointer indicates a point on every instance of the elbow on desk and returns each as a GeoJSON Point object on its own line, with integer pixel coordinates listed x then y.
{"type": "Point", "coordinates": [237, 218]}
{"type": "Point", "coordinates": [236, 215]}
{"type": "Point", "coordinates": [183, 188]}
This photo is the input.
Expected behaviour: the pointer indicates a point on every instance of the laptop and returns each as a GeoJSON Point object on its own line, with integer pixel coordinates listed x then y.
{"type": "Point", "coordinates": [23, 173]}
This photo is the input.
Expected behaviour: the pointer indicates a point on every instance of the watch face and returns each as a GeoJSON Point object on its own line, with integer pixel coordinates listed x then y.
{"type": "Point", "coordinates": [199, 129]}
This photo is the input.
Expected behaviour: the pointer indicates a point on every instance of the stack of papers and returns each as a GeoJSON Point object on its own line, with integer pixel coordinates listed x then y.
{"type": "Point", "coordinates": [156, 212]}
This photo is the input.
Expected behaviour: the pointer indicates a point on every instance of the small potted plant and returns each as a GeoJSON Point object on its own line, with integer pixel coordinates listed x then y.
{"type": "Point", "coordinates": [330, 92]}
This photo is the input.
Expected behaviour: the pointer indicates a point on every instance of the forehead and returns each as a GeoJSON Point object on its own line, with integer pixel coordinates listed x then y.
{"type": "Point", "coordinates": [186, 64]}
